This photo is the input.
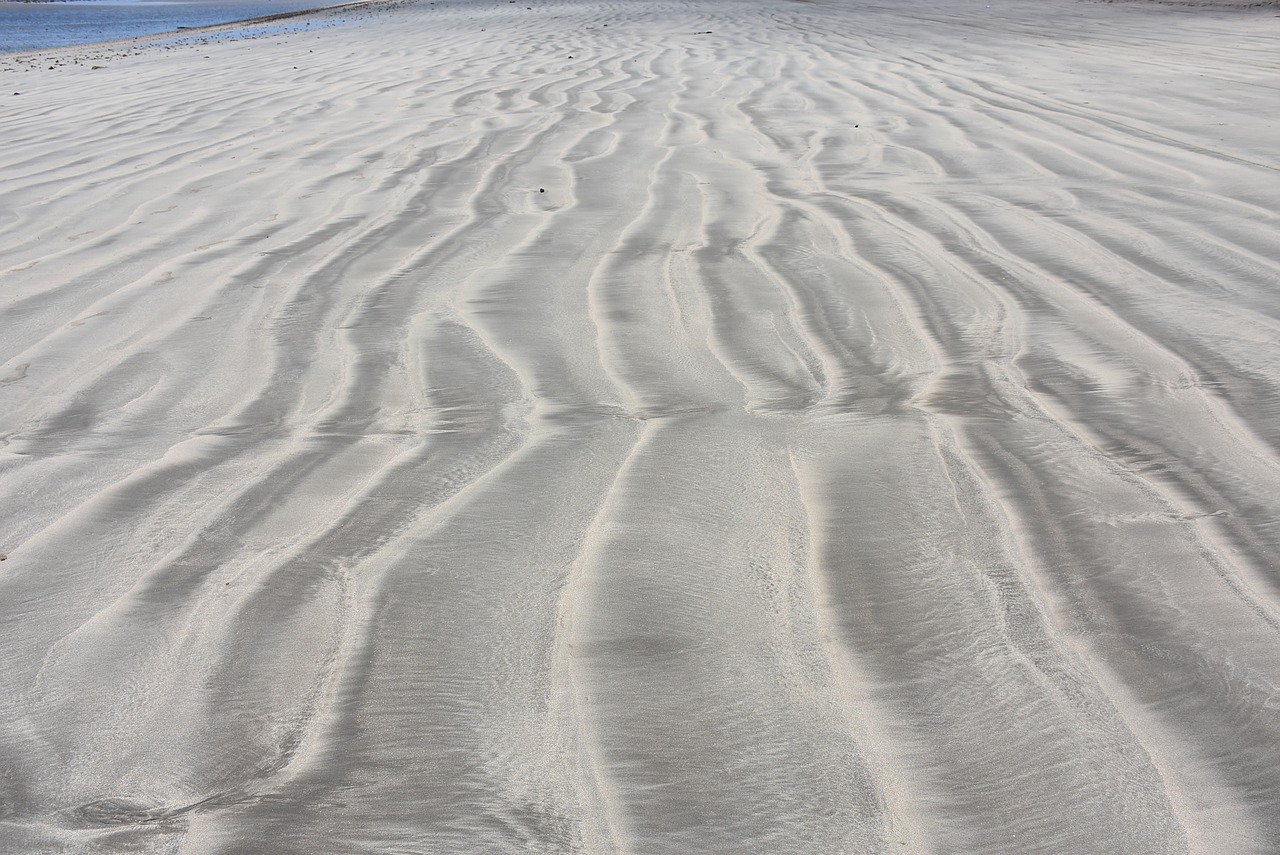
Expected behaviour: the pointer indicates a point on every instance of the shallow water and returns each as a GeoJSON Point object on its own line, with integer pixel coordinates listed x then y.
{"type": "Point", "coordinates": [35, 26]}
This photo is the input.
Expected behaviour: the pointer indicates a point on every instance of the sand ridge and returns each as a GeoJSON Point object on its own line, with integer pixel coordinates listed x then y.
{"type": "Point", "coordinates": [623, 427]}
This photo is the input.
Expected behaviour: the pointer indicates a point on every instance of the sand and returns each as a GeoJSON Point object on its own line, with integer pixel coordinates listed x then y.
{"type": "Point", "coordinates": [646, 427]}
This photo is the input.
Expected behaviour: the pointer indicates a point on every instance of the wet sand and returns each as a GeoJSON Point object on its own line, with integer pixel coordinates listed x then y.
{"type": "Point", "coordinates": [645, 428]}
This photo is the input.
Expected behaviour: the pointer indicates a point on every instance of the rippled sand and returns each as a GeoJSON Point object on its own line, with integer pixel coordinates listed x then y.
{"type": "Point", "coordinates": [647, 427]}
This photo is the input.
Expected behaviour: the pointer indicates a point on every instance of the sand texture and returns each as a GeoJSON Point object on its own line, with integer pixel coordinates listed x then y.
{"type": "Point", "coordinates": [646, 428]}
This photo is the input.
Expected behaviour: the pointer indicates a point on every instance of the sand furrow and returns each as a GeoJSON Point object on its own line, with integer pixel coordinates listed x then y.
{"type": "Point", "coordinates": [672, 642]}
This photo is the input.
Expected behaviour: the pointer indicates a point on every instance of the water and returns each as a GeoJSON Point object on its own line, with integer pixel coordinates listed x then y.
{"type": "Point", "coordinates": [34, 26]}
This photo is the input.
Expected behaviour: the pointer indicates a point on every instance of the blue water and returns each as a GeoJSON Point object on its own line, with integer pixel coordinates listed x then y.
{"type": "Point", "coordinates": [33, 26]}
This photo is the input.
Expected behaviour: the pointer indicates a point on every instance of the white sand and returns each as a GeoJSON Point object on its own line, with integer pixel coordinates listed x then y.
{"type": "Point", "coordinates": [646, 427]}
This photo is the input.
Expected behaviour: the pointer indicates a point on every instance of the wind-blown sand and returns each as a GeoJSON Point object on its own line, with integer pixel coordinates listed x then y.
{"type": "Point", "coordinates": [646, 427]}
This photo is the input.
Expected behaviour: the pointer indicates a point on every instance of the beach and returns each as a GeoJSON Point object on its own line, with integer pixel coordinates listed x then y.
{"type": "Point", "coordinates": [726, 426]}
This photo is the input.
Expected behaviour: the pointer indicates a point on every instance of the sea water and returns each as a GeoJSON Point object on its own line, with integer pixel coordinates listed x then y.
{"type": "Point", "coordinates": [33, 26]}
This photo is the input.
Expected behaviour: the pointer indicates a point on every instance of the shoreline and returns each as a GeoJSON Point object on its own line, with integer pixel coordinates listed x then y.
{"type": "Point", "coordinates": [169, 36]}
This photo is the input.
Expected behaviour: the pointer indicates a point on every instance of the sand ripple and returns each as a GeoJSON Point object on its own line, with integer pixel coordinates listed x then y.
{"type": "Point", "coordinates": [620, 427]}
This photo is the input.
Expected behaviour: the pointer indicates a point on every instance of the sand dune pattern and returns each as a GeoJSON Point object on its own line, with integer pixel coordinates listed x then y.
{"type": "Point", "coordinates": [647, 427]}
